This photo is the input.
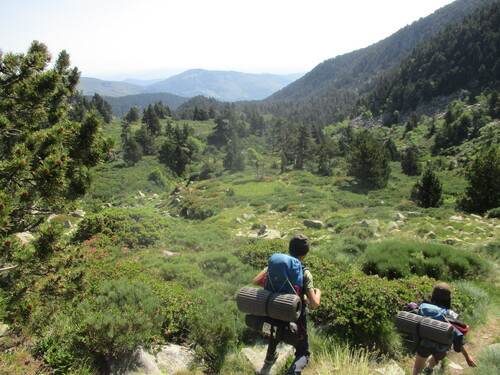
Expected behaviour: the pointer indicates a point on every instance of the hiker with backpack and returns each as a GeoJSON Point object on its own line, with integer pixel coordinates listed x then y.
{"type": "Point", "coordinates": [438, 307]}
{"type": "Point", "coordinates": [286, 274]}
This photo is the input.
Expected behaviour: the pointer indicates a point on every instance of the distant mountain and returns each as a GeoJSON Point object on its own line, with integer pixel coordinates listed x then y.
{"type": "Point", "coordinates": [331, 90]}
{"type": "Point", "coordinates": [221, 85]}
{"type": "Point", "coordinates": [90, 86]}
{"type": "Point", "coordinates": [142, 82]}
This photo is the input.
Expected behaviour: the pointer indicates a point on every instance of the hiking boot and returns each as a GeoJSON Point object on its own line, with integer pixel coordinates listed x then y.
{"type": "Point", "coordinates": [428, 371]}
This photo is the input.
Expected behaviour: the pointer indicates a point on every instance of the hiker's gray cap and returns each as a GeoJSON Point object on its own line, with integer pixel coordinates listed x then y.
{"type": "Point", "coordinates": [299, 245]}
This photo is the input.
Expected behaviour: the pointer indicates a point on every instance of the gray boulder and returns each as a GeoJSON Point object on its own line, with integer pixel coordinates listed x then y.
{"type": "Point", "coordinates": [315, 224]}
{"type": "Point", "coordinates": [25, 237]}
{"type": "Point", "coordinates": [256, 354]}
{"type": "Point", "coordinates": [392, 226]}
{"type": "Point", "coordinates": [166, 359]}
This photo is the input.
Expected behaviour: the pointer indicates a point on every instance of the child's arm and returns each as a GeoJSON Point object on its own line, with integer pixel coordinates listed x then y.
{"type": "Point", "coordinates": [470, 359]}
{"type": "Point", "coordinates": [257, 280]}
{"type": "Point", "coordinates": [314, 297]}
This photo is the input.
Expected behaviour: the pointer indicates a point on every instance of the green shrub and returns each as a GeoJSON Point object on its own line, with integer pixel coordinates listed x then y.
{"type": "Point", "coordinates": [134, 226]}
{"type": "Point", "coordinates": [158, 177]}
{"type": "Point", "coordinates": [122, 316]}
{"type": "Point", "coordinates": [396, 259]}
{"type": "Point", "coordinates": [493, 213]}
{"type": "Point", "coordinates": [360, 308]}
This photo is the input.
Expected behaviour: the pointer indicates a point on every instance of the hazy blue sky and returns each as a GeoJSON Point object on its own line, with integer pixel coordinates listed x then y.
{"type": "Point", "coordinates": [117, 39]}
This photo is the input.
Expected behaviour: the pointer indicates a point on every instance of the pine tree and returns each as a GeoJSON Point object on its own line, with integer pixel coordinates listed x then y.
{"type": "Point", "coordinates": [45, 157]}
{"type": "Point", "coordinates": [132, 152]}
{"type": "Point", "coordinates": [368, 161]}
{"type": "Point", "coordinates": [483, 178]}
{"type": "Point", "coordinates": [410, 163]}
{"type": "Point", "coordinates": [151, 120]}
{"type": "Point", "coordinates": [428, 191]}
{"type": "Point", "coordinates": [103, 107]}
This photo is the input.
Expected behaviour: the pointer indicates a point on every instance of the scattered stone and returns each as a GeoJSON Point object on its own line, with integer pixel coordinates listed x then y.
{"type": "Point", "coordinates": [456, 218]}
{"type": "Point", "coordinates": [67, 224]}
{"type": "Point", "coordinates": [167, 359]}
{"type": "Point", "coordinates": [399, 217]}
{"type": "Point", "coordinates": [51, 217]}
{"type": "Point", "coordinates": [415, 214]}
{"type": "Point", "coordinates": [107, 205]}
{"type": "Point", "coordinates": [431, 235]}
{"type": "Point", "coordinates": [25, 237]}
{"type": "Point", "coordinates": [168, 253]}
{"type": "Point", "coordinates": [450, 229]}
{"type": "Point", "coordinates": [155, 196]}
{"type": "Point", "coordinates": [316, 224]}
{"type": "Point", "coordinates": [4, 330]}
{"type": "Point", "coordinates": [262, 230]}
{"type": "Point", "coordinates": [369, 223]}
{"type": "Point", "coordinates": [455, 366]}
{"type": "Point", "coordinates": [239, 220]}
{"type": "Point", "coordinates": [449, 241]}
{"type": "Point", "coordinates": [392, 226]}
{"type": "Point", "coordinates": [176, 201]}
{"type": "Point", "coordinates": [400, 223]}
{"type": "Point", "coordinates": [390, 369]}
{"type": "Point", "coordinates": [248, 216]}
{"type": "Point", "coordinates": [257, 353]}
{"type": "Point", "coordinates": [81, 213]}
{"type": "Point", "coordinates": [271, 234]}
{"type": "Point", "coordinates": [140, 194]}
{"type": "Point", "coordinates": [477, 217]}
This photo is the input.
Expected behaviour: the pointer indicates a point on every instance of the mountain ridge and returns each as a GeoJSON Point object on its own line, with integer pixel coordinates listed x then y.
{"type": "Point", "coordinates": [221, 85]}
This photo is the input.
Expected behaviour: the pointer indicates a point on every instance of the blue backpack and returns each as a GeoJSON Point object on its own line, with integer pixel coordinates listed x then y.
{"type": "Point", "coordinates": [284, 275]}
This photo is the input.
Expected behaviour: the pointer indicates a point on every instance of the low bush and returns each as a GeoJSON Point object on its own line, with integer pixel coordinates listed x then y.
{"type": "Point", "coordinates": [360, 308]}
{"type": "Point", "coordinates": [396, 259]}
{"type": "Point", "coordinates": [134, 226]}
{"type": "Point", "coordinates": [123, 315]}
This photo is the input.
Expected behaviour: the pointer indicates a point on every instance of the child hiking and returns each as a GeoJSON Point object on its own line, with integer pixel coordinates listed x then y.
{"type": "Point", "coordinates": [438, 307]}
{"type": "Point", "coordinates": [302, 284]}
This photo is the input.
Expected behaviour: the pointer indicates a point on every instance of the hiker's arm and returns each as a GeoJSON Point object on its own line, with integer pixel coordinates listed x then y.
{"type": "Point", "coordinates": [314, 297]}
{"type": "Point", "coordinates": [257, 280]}
{"type": "Point", "coordinates": [470, 359]}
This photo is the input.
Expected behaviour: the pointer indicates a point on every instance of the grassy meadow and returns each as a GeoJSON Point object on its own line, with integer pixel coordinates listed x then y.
{"type": "Point", "coordinates": [162, 262]}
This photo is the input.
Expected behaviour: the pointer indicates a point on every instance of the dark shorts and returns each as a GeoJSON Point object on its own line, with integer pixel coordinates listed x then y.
{"type": "Point", "coordinates": [425, 352]}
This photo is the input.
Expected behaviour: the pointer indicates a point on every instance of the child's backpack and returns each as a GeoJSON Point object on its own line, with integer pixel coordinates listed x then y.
{"type": "Point", "coordinates": [284, 275]}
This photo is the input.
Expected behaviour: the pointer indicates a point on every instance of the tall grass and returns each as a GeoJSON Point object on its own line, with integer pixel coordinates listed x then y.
{"type": "Point", "coordinates": [488, 361]}
{"type": "Point", "coordinates": [330, 356]}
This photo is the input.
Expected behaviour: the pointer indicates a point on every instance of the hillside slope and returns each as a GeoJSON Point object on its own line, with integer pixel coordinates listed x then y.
{"type": "Point", "coordinates": [329, 92]}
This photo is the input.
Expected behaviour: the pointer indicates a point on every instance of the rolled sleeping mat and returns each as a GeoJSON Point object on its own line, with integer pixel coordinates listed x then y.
{"type": "Point", "coordinates": [261, 302]}
{"type": "Point", "coordinates": [437, 331]}
{"type": "Point", "coordinates": [424, 327]}
{"type": "Point", "coordinates": [408, 322]}
{"type": "Point", "coordinates": [282, 331]}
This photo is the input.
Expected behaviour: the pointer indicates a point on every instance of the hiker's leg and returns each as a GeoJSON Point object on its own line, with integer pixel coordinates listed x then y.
{"type": "Point", "coordinates": [419, 364]}
{"type": "Point", "coordinates": [436, 357]}
{"type": "Point", "coordinates": [271, 350]}
{"type": "Point", "coordinates": [302, 349]}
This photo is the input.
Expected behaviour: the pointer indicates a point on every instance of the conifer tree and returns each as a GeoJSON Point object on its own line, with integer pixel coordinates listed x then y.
{"type": "Point", "coordinates": [45, 157]}
{"type": "Point", "coordinates": [410, 163]}
{"type": "Point", "coordinates": [103, 107]}
{"type": "Point", "coordinates": [368, 161]}
{"type": "Point", "coordinates": [483, 178]}
{"type": "Point", "coordinates": [428, 191]}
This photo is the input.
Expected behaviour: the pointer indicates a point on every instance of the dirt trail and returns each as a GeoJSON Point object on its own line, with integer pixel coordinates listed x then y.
{"type": "Point", "coordinates": [482, 337]}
